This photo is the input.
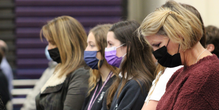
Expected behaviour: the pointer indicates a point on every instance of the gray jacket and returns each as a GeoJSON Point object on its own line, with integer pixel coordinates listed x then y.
{"type": "Point", "coordinates": [69, 95]}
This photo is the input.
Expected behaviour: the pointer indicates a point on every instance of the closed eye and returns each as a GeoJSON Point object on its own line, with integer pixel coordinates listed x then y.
{"type": "Point", "coordinates": [109, 44]}
{"type": "Point", "coordinates": [156, 45]}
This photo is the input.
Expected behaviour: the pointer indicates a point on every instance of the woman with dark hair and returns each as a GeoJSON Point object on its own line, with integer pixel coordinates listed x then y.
{"type": "Point", "coordinates": [212, 33]}
{"type": "Point", "coordinates": [101, 73]}
{"type": "Point", "coordinates": [133, 55]}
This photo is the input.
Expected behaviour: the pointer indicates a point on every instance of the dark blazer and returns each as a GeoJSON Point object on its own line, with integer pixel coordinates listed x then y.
{"type": "Point", "coordinates": [69, 95]}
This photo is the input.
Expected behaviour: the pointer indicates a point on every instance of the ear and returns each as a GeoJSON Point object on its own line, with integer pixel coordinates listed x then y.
{"type": "Point", "coordinates": [210, 47]}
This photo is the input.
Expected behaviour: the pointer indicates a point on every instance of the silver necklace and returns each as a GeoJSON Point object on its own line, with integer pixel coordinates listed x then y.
{"type": "Point", "coordinates": [200, 55]}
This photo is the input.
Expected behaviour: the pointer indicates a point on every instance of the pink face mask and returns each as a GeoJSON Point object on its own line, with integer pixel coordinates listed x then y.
{"type": "Point", "coordinates": [111, 58]}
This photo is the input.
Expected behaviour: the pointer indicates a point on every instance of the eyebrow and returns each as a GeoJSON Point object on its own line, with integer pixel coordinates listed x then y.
{"type": "Point", "coordinates": [90, 42]}
{"type": "Point", "coordinates": [155, 41]}
{"type": "Point", "coordinates": [109, 42]}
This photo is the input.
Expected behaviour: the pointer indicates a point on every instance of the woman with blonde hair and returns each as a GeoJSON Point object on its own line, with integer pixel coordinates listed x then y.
{"type": "Point", "coordinates": [101, 73]}
{"type": "Point", "coordinates": [159, 84]}
{"type": "Point", "coordinates": [175, 35]}
{"type": "Point", "coordinates": [67, 87]}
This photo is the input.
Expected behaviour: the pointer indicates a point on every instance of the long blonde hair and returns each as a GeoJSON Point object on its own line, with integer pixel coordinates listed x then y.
{"type": "Point", "coordinates": [70, 38]}
{"type": "Point", "coordinates": [100, 34]}
{"type": "Point", "coordinates": [180, 25]}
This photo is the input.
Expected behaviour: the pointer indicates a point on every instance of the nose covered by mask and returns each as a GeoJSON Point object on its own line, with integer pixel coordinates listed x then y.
{"type": "Point", "coordinates": [165, 59]}
{"type": "Point", "coordinates": [91, 59]}
{"type": "Point", "coordinates": [111, 58]}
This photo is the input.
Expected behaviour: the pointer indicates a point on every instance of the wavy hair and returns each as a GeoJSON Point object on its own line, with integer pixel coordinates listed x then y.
{"type": "Point", "coordinates": [70, 38]}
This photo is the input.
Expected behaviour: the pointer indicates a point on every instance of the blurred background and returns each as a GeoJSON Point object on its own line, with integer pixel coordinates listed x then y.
{"type": "Point", "coordinates": [21, 21]}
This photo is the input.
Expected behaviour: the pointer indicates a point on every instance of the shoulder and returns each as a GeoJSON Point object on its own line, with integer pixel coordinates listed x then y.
{"type": "Point", "coordinates": [206, 68]}
{"type": "Point", "coordinates": [208, 63]}
{"type": "Point", "coordinates": [78, 81]}
{"type": "Point", "coordinates": [78, 76]}
{"type": "Point", "coordinates": [208, 77]}
{"type": "Point", "coordinates": [134, 85]}
{"type": "Point", "coordinates": [208, 73]}
{"type": "Point", "coordinates": [80, 72]}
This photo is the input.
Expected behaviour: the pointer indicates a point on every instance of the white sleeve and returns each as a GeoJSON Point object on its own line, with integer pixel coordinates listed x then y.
{"type": "Point", "coordinates": [150, 91]}
{"type": "Point", "coordinates": [160, 87]}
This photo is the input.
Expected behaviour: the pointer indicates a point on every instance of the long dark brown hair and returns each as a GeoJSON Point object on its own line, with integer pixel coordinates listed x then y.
{"type": "Point", "coordinates": [137, 64]}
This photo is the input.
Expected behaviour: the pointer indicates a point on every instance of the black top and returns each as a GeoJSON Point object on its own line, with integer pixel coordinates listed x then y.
{"type": "Point", "coordinates": [132, 97]}
{"type": "Point", "coordinates": [4, 92]}
{"type": "Point", "coordinates": [98, 102]}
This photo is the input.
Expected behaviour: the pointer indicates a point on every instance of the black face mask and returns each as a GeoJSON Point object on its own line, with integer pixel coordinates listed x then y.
{"type": "Point", "coordinates": [165, 59]}
{"type": "Point", "coordinates": [54, 54]}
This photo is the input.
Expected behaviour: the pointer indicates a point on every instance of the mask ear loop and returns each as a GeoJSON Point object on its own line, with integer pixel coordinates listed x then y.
{"type": "Point", "coordinates": [124, 55]}
{"type": "Point", "coordinates": [120, 46]}
{"type": "Point", "coordinates": [178, 48]}
{"type": "Point", "coordinates": [100, 62]}
{"type": "Point", "coordinates": [168, 42]}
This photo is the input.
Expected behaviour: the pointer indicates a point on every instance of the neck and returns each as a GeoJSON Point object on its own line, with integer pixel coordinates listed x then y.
{"type": "Point", "coordinates": [193, 55]}
{"type": "Point", "coordinates": [104, 72]}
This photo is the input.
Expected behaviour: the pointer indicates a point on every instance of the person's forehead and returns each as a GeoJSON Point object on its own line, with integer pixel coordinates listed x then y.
{"type": "Point", "coordinates": [154, 37]}
{"type": "Point", "coordinates": [112, 38]}
{"type": "Point", "coordinates": [91, 37]}
{"type": "Point", "coordinates": [110, 34]}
